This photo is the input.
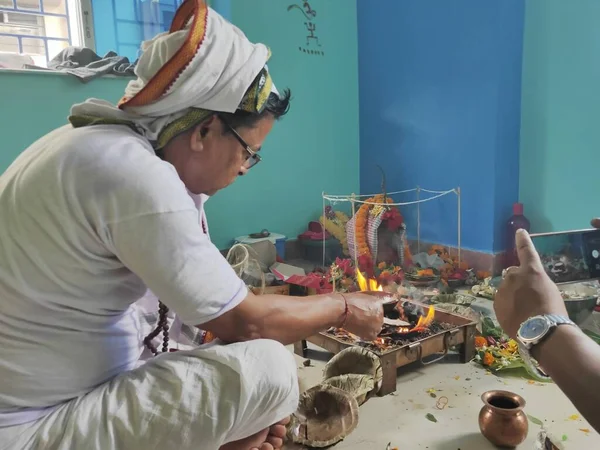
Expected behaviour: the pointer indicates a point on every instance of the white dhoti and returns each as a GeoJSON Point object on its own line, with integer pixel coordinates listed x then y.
{"type": "Point", "coordinates": [198, 399]}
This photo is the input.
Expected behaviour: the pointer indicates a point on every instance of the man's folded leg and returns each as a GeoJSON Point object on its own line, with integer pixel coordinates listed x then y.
{"type": "Point", "coordinates": [198, 399]}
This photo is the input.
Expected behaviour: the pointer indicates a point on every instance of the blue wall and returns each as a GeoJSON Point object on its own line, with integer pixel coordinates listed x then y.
{"type": "Point", "coordinates": [440, 86]}
{"type": "Point", "coordinates": [560, 137]}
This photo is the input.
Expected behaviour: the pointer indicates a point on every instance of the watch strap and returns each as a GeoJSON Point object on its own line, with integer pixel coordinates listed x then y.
{"type": "Point", "coordinates": [559, 320]}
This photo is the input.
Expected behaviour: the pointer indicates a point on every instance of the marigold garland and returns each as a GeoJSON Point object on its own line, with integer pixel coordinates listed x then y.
{"type": "Point", "coordinates": [360, 228]}
{"type": "Point", "coordinates": [361, 222]}
{"type": "Point", "coordinates": [341, 218]}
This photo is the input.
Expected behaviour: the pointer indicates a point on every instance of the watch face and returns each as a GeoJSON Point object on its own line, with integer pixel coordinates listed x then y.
{"type": "Point", "coordinates": [534, 328]}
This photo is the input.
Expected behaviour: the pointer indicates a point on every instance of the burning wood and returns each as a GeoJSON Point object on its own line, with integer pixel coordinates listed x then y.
{"type": "Point", "coordinates": [392, 337]}
{"type": "Point", "coordinates": [423, 322]}
{"type": "Point", "coordinates": [409, 323]}
{"type": "Point", "coordinates": [397, 348]}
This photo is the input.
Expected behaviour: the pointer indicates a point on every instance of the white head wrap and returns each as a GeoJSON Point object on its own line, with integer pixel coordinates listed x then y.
{"type": "Point", "coordinates": [209, 64]}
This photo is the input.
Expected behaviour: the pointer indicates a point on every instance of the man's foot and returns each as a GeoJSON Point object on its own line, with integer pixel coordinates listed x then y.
{"type": "Point", "coordinates": [267, 439]}
{"type": "Point", "coordinates": [249, 443]}
{"type": "Point", "coordinates": [275, 436]}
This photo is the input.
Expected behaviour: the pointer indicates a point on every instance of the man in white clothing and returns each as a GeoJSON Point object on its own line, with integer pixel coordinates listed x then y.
{"type": "Point", "coordinates": [101, 211]}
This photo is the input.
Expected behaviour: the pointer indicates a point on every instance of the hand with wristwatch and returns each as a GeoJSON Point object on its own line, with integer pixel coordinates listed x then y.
{"type": "Point", "coordinates": [530, 309]}
{"type": "Point", "coordinates": [528, 305]}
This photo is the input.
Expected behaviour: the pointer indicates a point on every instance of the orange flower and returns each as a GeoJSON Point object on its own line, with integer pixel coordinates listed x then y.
{"type": "Point", "coordinates": [382, 265]}
{"type": "Point", "coordinates": [480, 341]}
{"type": "Point", "coordinates": [482, 275]}
{"type": "Point", "coordinates": [488, 359]}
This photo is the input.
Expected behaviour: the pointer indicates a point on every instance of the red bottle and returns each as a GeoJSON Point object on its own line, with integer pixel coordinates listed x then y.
{"type": "Point", "coordinates": [516, 222]}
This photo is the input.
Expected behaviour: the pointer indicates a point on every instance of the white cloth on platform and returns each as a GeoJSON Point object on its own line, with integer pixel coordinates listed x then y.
{"type": "Point", "coordinates": [193, 400]}
{"type": "Point", "coordinates": [216, 78]}
{"type": "Point", "coordinates": [90, 219]}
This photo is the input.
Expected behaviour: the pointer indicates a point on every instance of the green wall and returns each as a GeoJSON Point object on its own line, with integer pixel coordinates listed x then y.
{"type": "Point", "coordinates": [34, 103]}
{"type": "Point", "coordinates": [560, 136]}
{"type": "Point", "coordinates": [314, 148]}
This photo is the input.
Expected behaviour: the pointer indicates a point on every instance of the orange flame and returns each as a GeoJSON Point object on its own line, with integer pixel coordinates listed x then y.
{"type": "Point", "coordinates": [422, 324]}
{"type": "Point", "coordinates": [367, 285]}
{"type": "Point", "coordinates": [425, 321]}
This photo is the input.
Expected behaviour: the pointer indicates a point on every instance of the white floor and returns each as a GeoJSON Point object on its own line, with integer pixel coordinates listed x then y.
{"type": "Point", "coordinates": [400, 419]}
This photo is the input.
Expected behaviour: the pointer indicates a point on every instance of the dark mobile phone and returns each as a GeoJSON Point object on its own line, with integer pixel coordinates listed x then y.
{"type": "Point", "coordinates": [570, 256]}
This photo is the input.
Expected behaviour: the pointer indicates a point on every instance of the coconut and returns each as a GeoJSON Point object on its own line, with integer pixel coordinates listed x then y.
{"type": "Point", "coordinates": [325, 416]}
{"type": "Point", "coordinates": [356, 370]}
{"type": "Point", "coordinates": [357, 385]}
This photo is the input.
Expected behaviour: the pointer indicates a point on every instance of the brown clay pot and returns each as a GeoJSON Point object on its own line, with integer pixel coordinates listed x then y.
{"type": "Point", "coordinates": [502, 420]}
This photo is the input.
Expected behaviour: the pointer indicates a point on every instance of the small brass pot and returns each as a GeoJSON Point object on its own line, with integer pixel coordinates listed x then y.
{"type": "Point", "coordinates": [502, 420]}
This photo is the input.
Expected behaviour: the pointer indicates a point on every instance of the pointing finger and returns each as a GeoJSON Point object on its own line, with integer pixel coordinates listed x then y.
{"type": "Point", "coordinates": [528, 255]}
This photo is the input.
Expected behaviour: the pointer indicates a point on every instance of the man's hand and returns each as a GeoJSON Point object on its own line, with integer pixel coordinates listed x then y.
{"type": "Point", "coordinates": [526, 291]}
{"type": "Point", "coordinates": [365, 315]}
{"type": "Point", "coordinates": [570, 357]}
{"type": "Point", "coordinates": [289, 319]}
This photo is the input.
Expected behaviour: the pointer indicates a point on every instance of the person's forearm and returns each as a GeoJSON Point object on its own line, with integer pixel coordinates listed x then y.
{"type": "Point", "coordinates": [573, 361]}
{"type": "Point", "coordinates": [279, 317]}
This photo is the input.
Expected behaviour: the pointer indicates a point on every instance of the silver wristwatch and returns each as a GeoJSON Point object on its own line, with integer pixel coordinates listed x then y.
{"type": "Point", "coordinates": [535, 330]}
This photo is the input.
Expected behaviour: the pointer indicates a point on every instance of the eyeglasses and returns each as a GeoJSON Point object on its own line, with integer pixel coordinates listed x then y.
{"type": "Point", "coordinates": [253, 157]}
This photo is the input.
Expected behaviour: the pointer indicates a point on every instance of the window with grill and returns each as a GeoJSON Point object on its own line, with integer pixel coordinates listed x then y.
{"type": "Point", "coordinates": [37, 30]}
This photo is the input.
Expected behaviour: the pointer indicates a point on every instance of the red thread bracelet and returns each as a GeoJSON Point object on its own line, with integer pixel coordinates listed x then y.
{"type": "Point", "coordinates": [346, 310]}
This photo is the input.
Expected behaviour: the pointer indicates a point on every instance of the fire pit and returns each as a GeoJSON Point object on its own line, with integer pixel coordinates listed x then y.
{"type": "Point", "coordinates": [427, 339]}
